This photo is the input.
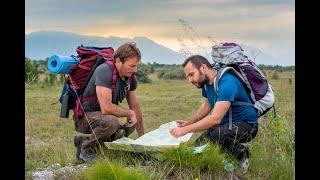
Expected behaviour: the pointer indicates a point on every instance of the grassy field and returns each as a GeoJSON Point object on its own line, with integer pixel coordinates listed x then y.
{"type": "Point", "coordinates": [49, 139]}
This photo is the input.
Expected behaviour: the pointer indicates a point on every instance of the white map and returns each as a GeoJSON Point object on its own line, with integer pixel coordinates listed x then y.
{"type": "Point", "coordinates": [158, 138]}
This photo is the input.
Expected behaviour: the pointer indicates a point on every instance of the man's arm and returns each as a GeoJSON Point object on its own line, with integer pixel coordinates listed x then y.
{"type": "Point", "coordinates": [134, 105]}
{"type": "Point", "coordinates": [203, 110]}
{"type": "Point", "coordinates": [219, 110]}
{"type": "Point", "coordinates": [105, 100]}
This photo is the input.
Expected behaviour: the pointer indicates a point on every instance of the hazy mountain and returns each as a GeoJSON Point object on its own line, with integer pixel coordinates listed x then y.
{"type": "Point", "coordinates": [42, 44]}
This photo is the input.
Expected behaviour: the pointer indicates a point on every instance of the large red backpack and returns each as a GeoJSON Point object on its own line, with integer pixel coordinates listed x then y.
{"type": "Point", "coordinates": [90, 58]}
{"type": "Point", "coordinates": [79, 76]}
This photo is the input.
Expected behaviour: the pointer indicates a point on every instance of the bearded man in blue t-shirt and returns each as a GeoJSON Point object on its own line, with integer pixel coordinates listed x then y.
{"type": "Point", "coordinates": [200, 73]}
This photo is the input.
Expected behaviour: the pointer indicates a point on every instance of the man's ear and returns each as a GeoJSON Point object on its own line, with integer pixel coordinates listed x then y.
{"type": "Point", "coordinates": [203, 68]}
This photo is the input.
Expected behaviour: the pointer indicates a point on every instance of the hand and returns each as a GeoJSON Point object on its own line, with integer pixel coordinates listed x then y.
{"type": "Point", "coordinates": [182, 123]}
{"type": "Point", "coordinates": [131, 119]}
{"type": "Point", "coordinates": [177, 132]}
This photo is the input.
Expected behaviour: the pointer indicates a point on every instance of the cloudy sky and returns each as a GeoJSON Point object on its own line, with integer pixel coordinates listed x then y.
{"type": "Point", "coordinates": [266, 24]}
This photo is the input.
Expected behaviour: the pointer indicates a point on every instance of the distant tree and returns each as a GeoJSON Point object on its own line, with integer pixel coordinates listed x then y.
{"type": "Point", "coordinates": [31, 72]}
{"type": "Point", "coordinates": [171, 72]}
{"type": "Point", "coordinates": [157, 65]}
{"type": "Point", "coordinates": [147, 68]}
{"type": "Point", "coordinates": [142, 76]}
{"type": "Point", "coordinates": [143, 71]}
{"type": "Point", "coordinates": [276, 67]}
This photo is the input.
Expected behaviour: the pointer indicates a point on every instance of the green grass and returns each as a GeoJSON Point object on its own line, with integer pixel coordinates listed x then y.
{"type": "Point", "coordinates": [50, 138]}
{"type": "Point", "coordinates": [210, 160]}
{"type": "Point", "coordinates": [104, 170]}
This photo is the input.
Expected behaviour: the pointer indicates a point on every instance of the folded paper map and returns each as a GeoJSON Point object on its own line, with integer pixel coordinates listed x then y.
{"type": "Point", "coordinates": [157, 140]}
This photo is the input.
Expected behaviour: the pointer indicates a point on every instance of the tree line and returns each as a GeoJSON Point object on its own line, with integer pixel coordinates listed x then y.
{"type": "Point", "coordinates": [36, 71]}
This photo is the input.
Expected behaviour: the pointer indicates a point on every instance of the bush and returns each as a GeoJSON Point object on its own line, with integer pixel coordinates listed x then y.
{"type": "Point", "coordinates": [143, 71]}
{"type": "Point", "coordinates": [143, 77]}
{"type": "Point", "coordinates": [147, 68]}
{"type": "Point", "coordinates": [171, 73]}
{"type": "Point", "coordinates": [31, 72]}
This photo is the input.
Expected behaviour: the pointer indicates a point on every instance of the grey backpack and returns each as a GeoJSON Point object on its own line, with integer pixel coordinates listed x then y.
{"type": "Point", "coordinates": [229, 57]}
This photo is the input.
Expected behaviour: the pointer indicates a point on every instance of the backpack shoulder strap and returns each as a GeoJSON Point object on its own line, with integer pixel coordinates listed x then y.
{"type": "Point", "coordinates": [99, 61]}
{"type": "Point", "coordinates": [114, 74]}
{"type": "Point", "coordinates": [220, 73]}
{"type": "Point", "coordinates": [232, 71]}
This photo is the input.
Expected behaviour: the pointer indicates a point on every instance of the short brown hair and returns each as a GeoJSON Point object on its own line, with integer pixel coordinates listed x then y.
{"type": "Point", "coordinates": [127, 50]}
{"type": "Point", "coordinates": [197, 61]}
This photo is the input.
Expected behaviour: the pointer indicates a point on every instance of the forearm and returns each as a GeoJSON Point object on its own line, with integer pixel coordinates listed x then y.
{"type": "Point", "coordinates": [204, 110]}
{"type": "Point", "coordinates": [215, 118]}
{"type": "Point", "coordinates": [112, 109]}
{"type": "Point", "coordinates": [139, 125]}
{"type": "Point", "coordinates": [105, 100]}
{"type": "Point", "coordinates": [203, 124]}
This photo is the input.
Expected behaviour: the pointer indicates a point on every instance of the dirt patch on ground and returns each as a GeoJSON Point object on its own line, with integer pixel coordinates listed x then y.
{"type": "Point", "coordinates": [55, 171]}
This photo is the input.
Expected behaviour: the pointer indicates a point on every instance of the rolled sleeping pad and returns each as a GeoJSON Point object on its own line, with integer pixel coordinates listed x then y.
{"type": "Point", "coordinates": [58, 64]}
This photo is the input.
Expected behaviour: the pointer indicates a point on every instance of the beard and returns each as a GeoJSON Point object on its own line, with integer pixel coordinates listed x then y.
{"type": "Point", "coordinates": [202, 80]}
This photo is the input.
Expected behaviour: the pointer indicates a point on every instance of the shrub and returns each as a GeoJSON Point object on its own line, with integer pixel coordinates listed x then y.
{"type": "Point", "coordinates": [142, 74]}
{"type": "Point", "coordinates": [171, 73]}
{"type": "Point", "coordinates": [31, 72]}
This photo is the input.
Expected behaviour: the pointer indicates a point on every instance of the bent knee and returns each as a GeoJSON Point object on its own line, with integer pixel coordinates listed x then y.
{"type": "Point", "coordinates": [111, 122]}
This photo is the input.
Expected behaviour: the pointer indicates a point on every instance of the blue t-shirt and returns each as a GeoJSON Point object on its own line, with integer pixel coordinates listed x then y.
{"type": "Point", "coordinates": [231, 89]}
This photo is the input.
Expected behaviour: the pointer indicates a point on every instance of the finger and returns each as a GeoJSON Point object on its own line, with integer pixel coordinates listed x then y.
{"type": "Point", "coordinates": [172, 131]}
{"type": "Point", "coordinates": [180, 125]}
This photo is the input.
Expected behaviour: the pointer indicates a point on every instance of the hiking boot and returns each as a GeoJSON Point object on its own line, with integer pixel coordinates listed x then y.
{"type": "Point", "coordinates": [244, 152]}
{"type": "Point", "coordinates": [127, 130]}
{"type": "Point", "coordinates": [78, 140]}
{"type": "Point", "coordinates": [244, 165]}
{"type": "Point", "coordinates": [118, 134]}
{"type": "Point", "coordinates": [87, 156]}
